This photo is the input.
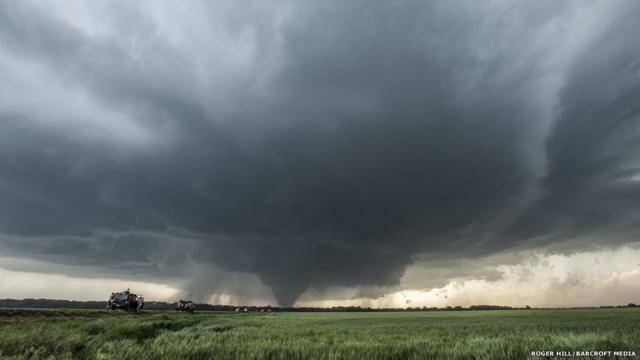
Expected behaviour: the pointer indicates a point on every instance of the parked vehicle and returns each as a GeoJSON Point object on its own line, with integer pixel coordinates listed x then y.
{"type": "Point", "coordinates": [126, 301]}
{"type": "Point", "coordinates": [185, 305]}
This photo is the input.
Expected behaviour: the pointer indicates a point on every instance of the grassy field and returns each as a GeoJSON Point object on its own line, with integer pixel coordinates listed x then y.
{"type": "Point", "coordinates": [88, 334]}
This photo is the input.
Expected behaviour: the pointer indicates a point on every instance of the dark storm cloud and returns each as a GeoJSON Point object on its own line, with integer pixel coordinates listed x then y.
{"type": "Point", "coordinates": [592, 182]}
{"type": "Point", "coordinates": [314, 145]}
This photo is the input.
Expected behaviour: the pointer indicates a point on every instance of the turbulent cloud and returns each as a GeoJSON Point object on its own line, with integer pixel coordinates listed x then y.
{"type": "Point", "coordinates": [313, 145]}
{"type": "Point", "coordinates": [529, 277]}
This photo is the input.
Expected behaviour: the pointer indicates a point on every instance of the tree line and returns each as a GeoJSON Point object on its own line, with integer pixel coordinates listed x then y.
{"type": "Point", "coordinates": [160, 305]}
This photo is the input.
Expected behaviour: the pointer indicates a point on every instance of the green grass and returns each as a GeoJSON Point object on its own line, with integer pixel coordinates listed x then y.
{"type": "Point", "coordinates": [85, 334]}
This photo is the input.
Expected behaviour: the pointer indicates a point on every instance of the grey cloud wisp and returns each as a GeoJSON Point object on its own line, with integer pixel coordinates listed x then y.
{"type": "Point", "coordinates": [318, 144]}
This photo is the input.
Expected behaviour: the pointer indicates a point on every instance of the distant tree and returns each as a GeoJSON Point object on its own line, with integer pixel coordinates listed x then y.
{"type": "Point", "coordinates": [631, 305]}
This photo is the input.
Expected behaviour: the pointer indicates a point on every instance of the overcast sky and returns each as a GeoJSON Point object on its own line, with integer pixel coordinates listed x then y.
{"type": "Point", "coordinates": [321, 152]}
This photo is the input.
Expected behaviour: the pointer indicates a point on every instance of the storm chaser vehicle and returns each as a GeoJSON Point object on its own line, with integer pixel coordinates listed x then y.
{"type": "Point", "coordinates": [125, 301]}
{"type": "Point", "coordinates": [185, 305]}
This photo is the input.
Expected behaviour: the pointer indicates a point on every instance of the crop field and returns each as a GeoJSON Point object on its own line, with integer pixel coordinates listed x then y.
{"type": "Point", "coordinates": [502, 334]}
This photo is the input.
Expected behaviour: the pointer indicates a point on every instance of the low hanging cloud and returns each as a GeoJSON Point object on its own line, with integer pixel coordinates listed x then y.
{"type": "Point", "coordinates": [313, 145]}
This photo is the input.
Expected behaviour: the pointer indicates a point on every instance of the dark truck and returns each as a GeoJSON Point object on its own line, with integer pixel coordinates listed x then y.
{"type": "Point", "coordinates": [186, 305]}
{"type": "Point", "coordinates": [126, 301]}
